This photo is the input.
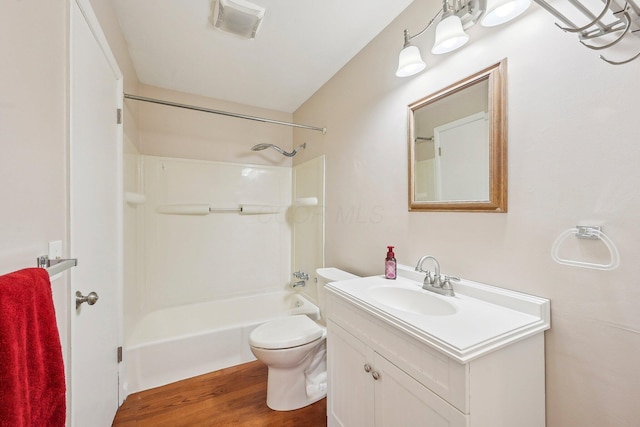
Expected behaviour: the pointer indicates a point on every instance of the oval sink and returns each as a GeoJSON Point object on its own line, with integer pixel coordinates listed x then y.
{"type": "Point", "coordinates": [415, 301]}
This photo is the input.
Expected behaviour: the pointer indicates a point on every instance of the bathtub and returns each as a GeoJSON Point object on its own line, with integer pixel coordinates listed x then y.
{"type": "Point", "coordinates": [181, 342]}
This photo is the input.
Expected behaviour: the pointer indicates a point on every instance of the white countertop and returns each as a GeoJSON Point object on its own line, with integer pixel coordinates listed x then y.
{"type": "Point", "coordinates": [485, 317]}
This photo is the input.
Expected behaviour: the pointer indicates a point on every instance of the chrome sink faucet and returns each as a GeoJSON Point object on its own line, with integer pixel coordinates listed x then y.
{"type": "Point", "coordinates": [435, 282]}
{"type": "Point", "coordinates": [429, 279]}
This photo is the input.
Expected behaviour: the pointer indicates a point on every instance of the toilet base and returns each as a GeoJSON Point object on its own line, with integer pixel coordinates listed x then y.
{"type": "Point", "coordinates": [287, 390]}
{"type": "Point", "coordinates": [297, 376]}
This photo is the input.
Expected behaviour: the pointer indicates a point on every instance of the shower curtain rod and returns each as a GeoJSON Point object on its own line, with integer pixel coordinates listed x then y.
{"type": "Point", "coordinates": [223, 113]}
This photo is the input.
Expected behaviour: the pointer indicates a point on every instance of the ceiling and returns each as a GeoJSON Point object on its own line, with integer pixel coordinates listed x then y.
{"type": "Point", "coordinates": [300, 45]}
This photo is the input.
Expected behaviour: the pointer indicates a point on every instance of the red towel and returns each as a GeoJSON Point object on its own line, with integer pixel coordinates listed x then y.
{"type": "Point", "coordinates": [32, 387]}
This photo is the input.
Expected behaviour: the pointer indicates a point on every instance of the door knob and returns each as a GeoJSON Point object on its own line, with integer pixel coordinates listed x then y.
{"type": "Point", "coordinates": [90, 299]}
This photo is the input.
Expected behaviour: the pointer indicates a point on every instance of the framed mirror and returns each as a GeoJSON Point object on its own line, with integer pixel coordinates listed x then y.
{"type": "Point", "coordinates": [458, 146]}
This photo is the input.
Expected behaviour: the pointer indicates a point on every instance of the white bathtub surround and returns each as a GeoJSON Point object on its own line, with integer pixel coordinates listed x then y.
{"type": "Point", "coordinates": [194, 258]}
{"type": "Point", "coordinates": [217, 243]}
{"type": "Point", "coordinates": [308, 221]}
{"type": "Point", "coordinates": [238, 261]}
{"type": "Point", "coordinates": [181, 342]}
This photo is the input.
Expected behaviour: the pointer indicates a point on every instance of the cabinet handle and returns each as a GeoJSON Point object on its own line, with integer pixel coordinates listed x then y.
{"type": "Point", "coordinates": [367, 368]}
{"type": "Point", "coordinates": [375, 375]}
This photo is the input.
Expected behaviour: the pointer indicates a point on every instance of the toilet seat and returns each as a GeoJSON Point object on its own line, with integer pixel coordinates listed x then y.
{"type": "Point", "coordinates": [288, 332]}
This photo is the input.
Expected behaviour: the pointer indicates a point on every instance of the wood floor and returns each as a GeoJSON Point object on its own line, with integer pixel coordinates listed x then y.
{"type": "Point", "coordinates": [234, 396]}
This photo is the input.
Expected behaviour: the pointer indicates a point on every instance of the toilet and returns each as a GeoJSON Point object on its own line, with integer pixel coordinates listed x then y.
{"type": "Point", "coordinates": [294, 349]}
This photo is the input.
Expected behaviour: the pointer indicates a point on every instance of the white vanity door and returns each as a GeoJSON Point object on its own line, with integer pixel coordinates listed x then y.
{"type": "Point", "coordinates": [350, 395]}
{"type": "Point", "coordinates": [400, 400]}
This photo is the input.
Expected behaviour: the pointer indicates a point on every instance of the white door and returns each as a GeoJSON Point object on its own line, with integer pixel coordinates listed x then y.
{"type": "Point", "coordinates": [462, 159]}
{"type": "Point", "coordinates": [95, 220]}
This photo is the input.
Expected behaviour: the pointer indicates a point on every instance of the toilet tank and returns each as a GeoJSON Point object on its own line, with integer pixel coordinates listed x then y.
{"type": "Point", "coordinates": [327, 275]}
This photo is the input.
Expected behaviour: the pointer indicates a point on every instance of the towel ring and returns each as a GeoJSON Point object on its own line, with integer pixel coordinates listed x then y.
{"type": "Point", "coordinates": [591, 233]}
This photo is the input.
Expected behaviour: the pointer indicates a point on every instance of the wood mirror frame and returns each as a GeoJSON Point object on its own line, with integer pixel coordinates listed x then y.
{"type": "Point", "coordinates": [495, 76]}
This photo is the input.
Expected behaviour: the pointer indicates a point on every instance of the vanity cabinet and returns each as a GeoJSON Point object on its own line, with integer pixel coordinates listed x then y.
{"type": "Point", "coordinates": [384, 376]}
{"type": "Point", "coordinates": [368, 390]}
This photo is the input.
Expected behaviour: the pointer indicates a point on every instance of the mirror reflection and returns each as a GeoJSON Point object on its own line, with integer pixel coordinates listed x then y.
{"type": "Point", "coordinates": [457, 146]}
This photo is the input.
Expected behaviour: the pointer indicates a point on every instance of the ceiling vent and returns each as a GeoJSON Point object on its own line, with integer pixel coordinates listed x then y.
{"type": "Point", "coordinates": [238, 17]}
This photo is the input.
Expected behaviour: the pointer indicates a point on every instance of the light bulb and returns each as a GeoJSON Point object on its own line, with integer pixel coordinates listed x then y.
{"type": "Point", "coordinates": [501, 11]}
{"type": "Point", "coordinates": [449, 35]}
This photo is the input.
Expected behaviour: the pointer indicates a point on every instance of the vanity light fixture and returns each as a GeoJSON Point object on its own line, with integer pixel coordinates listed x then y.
{"type": "Point", "coordinates": [409, 61]}
{"type": "Point", "coordinates": [457, 16]}
{"type": "Point", "coordinates": [449, 35]}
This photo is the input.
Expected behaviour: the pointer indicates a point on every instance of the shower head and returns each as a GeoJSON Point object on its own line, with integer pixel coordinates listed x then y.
{"type": "Point", "coordinates": [260, 147]}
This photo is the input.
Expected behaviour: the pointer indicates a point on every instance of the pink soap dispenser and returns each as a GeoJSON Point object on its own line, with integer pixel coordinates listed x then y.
{"type": "Point", "coordinates": [390, 264]}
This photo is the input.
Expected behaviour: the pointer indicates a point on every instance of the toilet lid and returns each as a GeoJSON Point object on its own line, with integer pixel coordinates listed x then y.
{"type": "Point", "coordinates": [287, 332]}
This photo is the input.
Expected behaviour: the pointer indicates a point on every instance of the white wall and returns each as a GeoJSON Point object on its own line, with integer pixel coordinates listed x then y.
{"type": "Point", "coordinates": [573, 156]}
{"type": "Point", "coordinates": [34, 135]}
{"type": "Point", "coordinates": [33, 138]}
